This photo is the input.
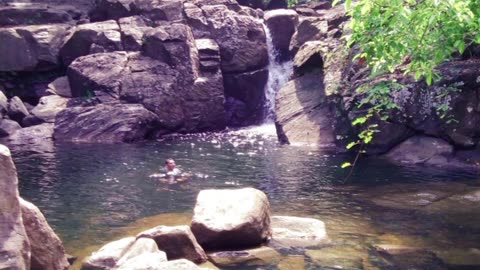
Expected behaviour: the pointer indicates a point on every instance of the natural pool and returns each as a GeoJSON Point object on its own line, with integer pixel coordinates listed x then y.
{"type": "Point", "coordinates": [92, 194]}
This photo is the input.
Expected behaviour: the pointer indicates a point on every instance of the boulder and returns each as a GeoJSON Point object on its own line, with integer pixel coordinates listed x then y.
{"type": "Point", "coordinates": [132, 122]}
{"type": "Point", "coordinates": [309, 57]}
{"type": "Point", "coordinates": [32, 135]}
{"type": "Point", "coordinates": [15, 248]}
{"type": "Point", "coordinates": [421, 150]}
{"type": "Point", "coordinates": [15, 14]}
{"type": "Point", "coordinates": [290, 232]}
{"type": "Point", "coordinates": [8, 127]}
{"type": "Point", "coordinates": [3, 104]}
{"type": "Point", "coordinates": [256, 256]}
{"type": "Point", "coordinates": [219, 221]}
{"type": "Point", "coordinates": [36, 47]}
{"type": "Point", "coordinates": [133, 32]}
{"type": "Point", "coordinates": [178, 242]}
{"type": "Point", "coordinates": [140, 249]}
{"type": "Point", "coordinates": [48, 107]}
{"type": "Point", "coordinates": [111, 10]}
{"type": "Point", "coordinates": [310, 28]}
{"type": "Point", "coordinates": [61, 87]}
{"type": "Point", "coordinates": [47, 249]}
{"type": "Point", "coordinates": [197, 20]}
{"type": "Point", "coordinates": [160, 10]}
{"type": "Point", "coordinates": [229, 4]}
{"type": "Point", "coordinates": [16, 109]}
{"type": "Point", "coordinates": [241, 39]}
{"type": "Point", "coordinates": [282, 24]}
{"type": "Point", "coordinates": [249, 88]}
{"type": "Point", "coordinates": [147, 260]}
{"type": "Point", "coordinates": [91, 38]}
{"type": "Point", "coordinates": [209, 54]}
{"type": "Point", "coordinates": [108, 256]}
{"type": "Point", "coordinates": [305, 114]}
{"type": "Point", "coordinates": [98, 75]}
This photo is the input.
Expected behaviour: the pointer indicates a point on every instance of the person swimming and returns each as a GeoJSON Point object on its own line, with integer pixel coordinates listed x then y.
{"type": "Point", "coordinates": [170, 168]}
{"type": "Point", "coordinates": [170, 173]}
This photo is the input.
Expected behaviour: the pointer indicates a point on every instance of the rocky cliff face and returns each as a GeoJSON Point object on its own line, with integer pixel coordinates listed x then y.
{"type": "Point", "coordinates": [180, 60]}
{"type": "Point", "coordinates": [326, 108]}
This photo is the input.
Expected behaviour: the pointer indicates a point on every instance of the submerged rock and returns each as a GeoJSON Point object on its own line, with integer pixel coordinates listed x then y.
{"type": "Point", "coordinates": [297, 232]}
{"type": "Point", "coordinates": [256, 256]}
{"type": "Point", "coordinates": [406, 258]}
{"type": "Point", "coordinates": [231, 218]}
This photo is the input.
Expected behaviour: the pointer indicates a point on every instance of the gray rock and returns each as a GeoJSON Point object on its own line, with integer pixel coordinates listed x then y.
{"type": "Point", "coordinates": [47, 249]}
{"type": "Point", "coordinates": [27, 48]}
{"type": "Point", "coordinates": [15, 248]}
{"type": "Point", "coordinates": [282, 24]}
{"type": "Point", "coordinates": [249, 88]}
{"type": "Point", "coordinates": [38, 134]}
{"type": "Point", "coordinates": [132, 122]}
{"type": "Point", "coordinates": [111, 10]}
{"type": "Point", "coordinates": [61, 87]}
{"type": "Point", "coordinates": [147, 260]}
{"type": "Point", "coordinates": [241, 39]}
{"type": "Point", "coordinates": [405, 257]}
{"type": "Point", "coordinates": [209, 54]}
{"type": "Point", "coordinates": [178, 242]}
{"type": "Point", "coordinates": [3, 104]}
{"type": "Point", "coordinates": [305, 114]}
{"type": "Point", "coordinates": [164, 10]}
{"type": "Point", "coordinates": [133, 32]}
{"type": "Point", "coordinates": [98, 75]}
{"type": "Point", "coordinates": [16, 109]}
{"type": "Point", "coordinates": [14, 14]}
{"type": "Point", "coordinates": [8, 127]}
{"type": "Point", "coordinates": [141, 247]}
{"type": "Point", "coordinates": [421, 150]}
{"type": "Point", "coordinates": [310, 28]}
{"type": "Point", "coordinates": [219, 221]}
{"type": "Point", "coordinates": [290, 232]}
{"type": "Point", "coordinates": [108, 256]}
{"type": "Point", "coordinates": [337, 257]}
{"type": "Point", "coordinates": [92, 38]}
{"type": "Point", "coordinates": [48, 107]}
{"type": "Point", "coordinates": [197, 21]}
{"type": "Point", "coordinates": [229, 4]}
{"type": "Point", "coordinates": [256, 256]}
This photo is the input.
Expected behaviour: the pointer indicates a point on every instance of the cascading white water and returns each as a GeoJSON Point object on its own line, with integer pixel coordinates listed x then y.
{"type": "Point", "coordinates": [278, 75]}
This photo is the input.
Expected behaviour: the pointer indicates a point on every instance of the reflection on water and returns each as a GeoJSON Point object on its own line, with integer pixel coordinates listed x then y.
{"type": "Point", "coordinates": [93, 193]}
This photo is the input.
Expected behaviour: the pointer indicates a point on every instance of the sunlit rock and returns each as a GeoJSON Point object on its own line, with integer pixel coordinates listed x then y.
{"type": "Point", "coordinates": [311, 28]}
{"type": "Point", "coordinates": [108, 256]}
{"type": "Point", "coordinates": [91, 38]}
{"type": "Point", "coordinates": [147, 260]}
{"type": "Point", "coordinates": [95, 124]}
{"type": "Point", "coordinates": [8, 127]}
{"type": "Point", "coordinates": [141, 247]}
{"type": "Point", "coordinates": [61, 87]}
{"type": "Point", "coordinates": [47, 249]}
{"type": "Point", "coordinates": [47, 109]}
{"type": "Point", "coordinates": [16, 109]}
{"type": "Point", "coordinates": [256, 256]}
{"type": "Point", "coordinates": [41, 134]}
{"type": "Point", "coordinates": [297, 232]}
{"type": "Point", "coordinates": [133, 32]}
{"type": "Point", "coordinates": [34, 47]}
{"type": "Point", "coordinates": [178, 242]}
{"type": "Point", "coordinates": [231, 218]}
{"type": "Point", "coordinates": [15, 247]}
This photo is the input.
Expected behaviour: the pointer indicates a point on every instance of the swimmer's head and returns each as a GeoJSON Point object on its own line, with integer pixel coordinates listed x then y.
{"type": "Point", "coordinates": [170, 164]}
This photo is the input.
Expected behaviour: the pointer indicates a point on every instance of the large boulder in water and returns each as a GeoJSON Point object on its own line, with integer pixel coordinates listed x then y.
{"type": "Point", "coordinates": [108, 256]}
{"type": "Point", "coordinates": [104, 123]}
{"type": "Point", "coordinates": [47, 249]}
{"type": "Point", "coordinates": [297, 232]}
{"type": "Point", "coordinates": [231, 218]}
{"type": "Point", "coordinates": [15, 248]}
{"type": "Point", "coordinates": [47, 109]}
{"type": "Point", "coordinates": [178, 242]}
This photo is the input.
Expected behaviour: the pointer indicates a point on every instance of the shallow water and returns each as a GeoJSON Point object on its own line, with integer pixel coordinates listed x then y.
{"type": "Point", "coordinates": [93, 193]}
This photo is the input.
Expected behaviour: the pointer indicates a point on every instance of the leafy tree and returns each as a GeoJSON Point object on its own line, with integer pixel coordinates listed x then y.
{"type": "Point", "coordinates": [406, 36]}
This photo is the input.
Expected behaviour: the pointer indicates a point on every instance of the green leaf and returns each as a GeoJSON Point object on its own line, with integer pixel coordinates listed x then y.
{"type": "Point", "coordinates": [345, 165]}
{"type": "Point", "coordinates": [351, 144]}
{"type": "Point", "coordinates": [359, 120]}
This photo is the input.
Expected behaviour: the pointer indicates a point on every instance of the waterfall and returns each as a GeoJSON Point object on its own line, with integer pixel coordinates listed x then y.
{"type": "Point", "coordinates": [278, 75]}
